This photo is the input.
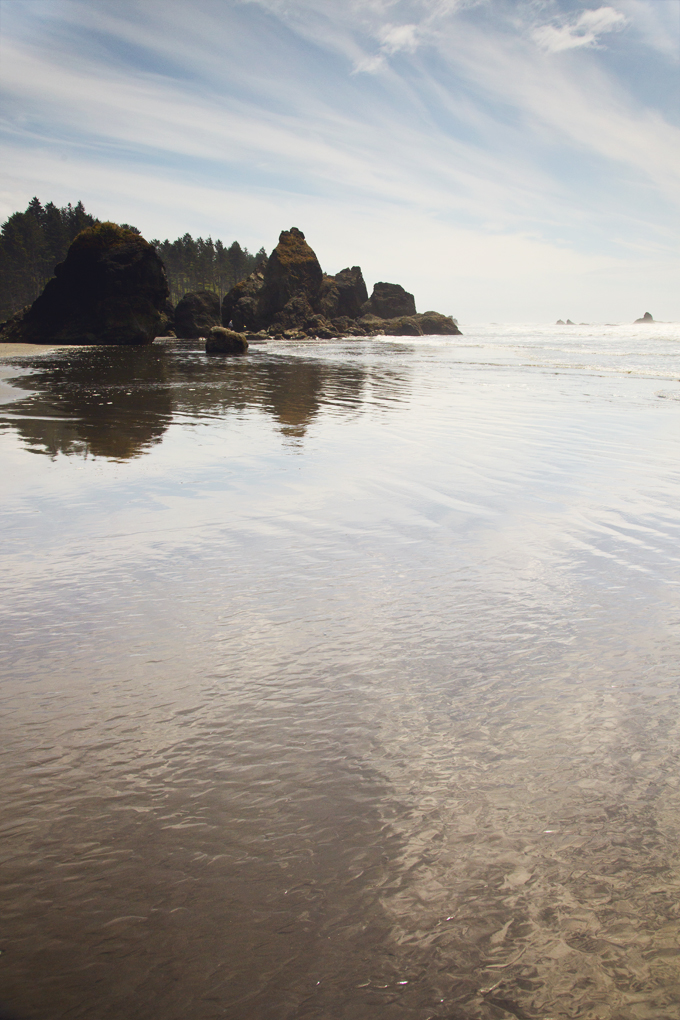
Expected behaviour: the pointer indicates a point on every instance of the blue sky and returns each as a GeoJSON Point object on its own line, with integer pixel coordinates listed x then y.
{"type": "Point", "coordinates": [503, 159]}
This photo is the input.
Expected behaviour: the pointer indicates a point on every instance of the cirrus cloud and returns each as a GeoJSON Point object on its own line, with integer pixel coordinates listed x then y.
{"type": "Point", "coordinates": [584, 31]}
{"type": "Point", "coordinates": [484, 173]}
{"type": "Point", "coordinates": [393, 39]}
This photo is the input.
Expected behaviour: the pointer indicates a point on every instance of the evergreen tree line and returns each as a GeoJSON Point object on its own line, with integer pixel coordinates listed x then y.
{"type": "Point", "coordinates": [31, 245]}
{"type": "Point", "coordinates": [33, 242]}
{"type": "Point", "coordinates": [204, 265]}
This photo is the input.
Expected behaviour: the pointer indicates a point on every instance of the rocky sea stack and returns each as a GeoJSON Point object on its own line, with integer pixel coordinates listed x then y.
{"type": "Point", "coordinates": [291, 296]}
{"type": "Point", "coordinates": [196, 314]}
{"type": "Point", "coordinates": [110, 289]}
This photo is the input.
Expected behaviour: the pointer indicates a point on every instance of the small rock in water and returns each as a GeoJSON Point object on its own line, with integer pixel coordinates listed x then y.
{"type": "Point", "coordinates": [647, 317]}
{"type": "Point", "coordinates": [560, 322]}
{"type": "Point", "coordinates": [225, 341]}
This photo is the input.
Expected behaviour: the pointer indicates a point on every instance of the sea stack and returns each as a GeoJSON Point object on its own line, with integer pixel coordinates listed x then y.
{"type": "Point", "coordinates": [290, 296]}
{"type": "Point", "coordinates": [110, 289]}
{"type": "Point", "coordinates": [196, 314]}
{"type": "Point", "coordinates": [390, 301]}
{"type": "Point", "coordinates": [647, 317]}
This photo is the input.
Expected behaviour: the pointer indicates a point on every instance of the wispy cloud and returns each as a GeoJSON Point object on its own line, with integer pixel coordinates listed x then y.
{"type": "Point", "coordinates": [468, 148]}
{"type": "Point", "coordinates": [585, 30]}
{"type": "Point", "coordinates": [399, 37]}
{"type": "Point", "coordinates": [393, 39]}
{"type": "Point", "coordinates": [657, 24]}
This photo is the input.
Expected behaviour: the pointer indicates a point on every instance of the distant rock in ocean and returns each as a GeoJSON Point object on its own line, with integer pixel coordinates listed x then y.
{"type": "Point", "coordinates": [647, 317]}
{"type": "Point", "coordinates": [196, 313]}
{"type": "Point", "coordinates": [110, 289]}
{"type": "Point", "coordinates": [560, 322]}
{"type": "Point", "coordinates": [290, 296]}
{"type": "Point", "coordinates": [569, 323]}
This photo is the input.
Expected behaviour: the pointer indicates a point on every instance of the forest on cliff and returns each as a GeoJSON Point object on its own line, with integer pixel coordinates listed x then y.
{"type": "Point", "coordinates": [34, 241]}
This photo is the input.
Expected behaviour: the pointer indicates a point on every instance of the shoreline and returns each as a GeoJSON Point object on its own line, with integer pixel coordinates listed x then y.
{"type": "Point", "coordinates": [14, 350]}
{"type": "Point", "coordinates": [9, 351]}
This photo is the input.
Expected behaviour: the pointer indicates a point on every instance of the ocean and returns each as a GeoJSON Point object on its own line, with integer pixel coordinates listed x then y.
{"type": "Point", "coordinates": [341, 680]}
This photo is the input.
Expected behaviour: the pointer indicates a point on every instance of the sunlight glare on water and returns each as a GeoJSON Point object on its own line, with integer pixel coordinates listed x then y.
{"type": "Point", "coordinates": [341, 679]}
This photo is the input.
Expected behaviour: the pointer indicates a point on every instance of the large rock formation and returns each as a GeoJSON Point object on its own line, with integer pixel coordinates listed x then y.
{"type": "Point", "coordinates": [196, 313]}
{"type": "Point", "coordinates": [343, 295]}
{"type": "Point", "coordinates": [286, 292]}
{"type": "Point", "coordinates": [293, 274]}
{"type": "Point", "coordinates": [425, 324]}
{"type": "Point", "coordinates": [243, 304]}
{"type": "Point", "coordinates": [647, 317]}
{"type": "Point", "coordinates": [436, 324]}
{"type": "Point", "coordinates": [290, 296]}
{"type": "Point", "coordinates": [110, 289]}
{"type": "Point", "coordinates": [390, 301]}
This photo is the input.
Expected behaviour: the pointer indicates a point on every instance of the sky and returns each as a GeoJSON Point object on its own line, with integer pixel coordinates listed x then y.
{"type": "Point", "coordinates": [504, 160]}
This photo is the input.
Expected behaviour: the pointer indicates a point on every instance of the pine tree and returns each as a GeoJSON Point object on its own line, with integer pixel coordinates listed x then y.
{"type": "Point", "coordinates": [32, 243]}
{"type": "Point", "coordinates": [204, 264]}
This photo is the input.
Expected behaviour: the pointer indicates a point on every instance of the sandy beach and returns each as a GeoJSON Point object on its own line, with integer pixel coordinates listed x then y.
{"type": "Point", "coordinates": [29, 350]}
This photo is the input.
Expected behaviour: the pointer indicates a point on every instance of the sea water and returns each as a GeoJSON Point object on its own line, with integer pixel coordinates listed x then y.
{"type": "Point", "coordinates": [341, 680]}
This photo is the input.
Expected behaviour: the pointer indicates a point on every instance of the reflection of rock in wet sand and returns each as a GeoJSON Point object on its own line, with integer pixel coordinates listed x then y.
{"type": "Point", "coordinates": [295, 393]}
{"type": "Point", "coordinates": [118, 403]}
{"type": "Point", "coordinates": [110, 402]}
{"type": "Point", "coordinates": [293, 390]}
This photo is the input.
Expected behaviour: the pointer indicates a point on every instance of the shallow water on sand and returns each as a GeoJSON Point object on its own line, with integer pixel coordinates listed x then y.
{"type": "Point", "coordinates": [341, 680]}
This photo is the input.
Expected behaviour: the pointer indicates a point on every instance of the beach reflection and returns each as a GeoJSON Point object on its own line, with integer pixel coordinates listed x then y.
{"type": "Point", "coordinates": [94, 402]}
{"type": "Point", "coordinates": [118, 403]}
{"type": "Point", "coordinates": [340, 681]}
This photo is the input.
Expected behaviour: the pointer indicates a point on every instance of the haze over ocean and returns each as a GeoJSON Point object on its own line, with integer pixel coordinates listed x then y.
{"type": "Point", "coordinates": [504, 161]}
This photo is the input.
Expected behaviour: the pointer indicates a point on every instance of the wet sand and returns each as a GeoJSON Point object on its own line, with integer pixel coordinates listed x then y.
{"type": "Point", "coordinates": [12, 351]}
{"type": "Point", "coordinates": [340, 680]}
{"type": "Point", "coordinates": [30, 350]}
